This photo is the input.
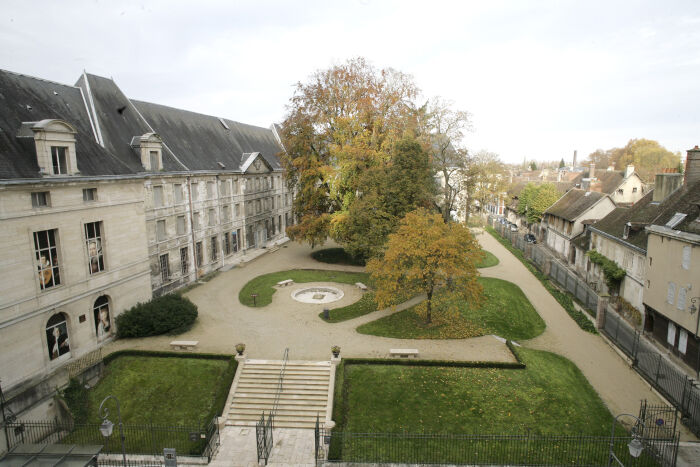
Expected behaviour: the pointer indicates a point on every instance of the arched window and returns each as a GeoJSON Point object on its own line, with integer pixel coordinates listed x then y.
{"type": "Point", "coordinates": [57, 336]}
{"type": "Point", "coordinates": [103, 324]}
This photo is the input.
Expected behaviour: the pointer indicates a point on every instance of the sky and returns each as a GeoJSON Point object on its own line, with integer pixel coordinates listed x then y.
{"type": "Point", "coordinates": [539, 78]}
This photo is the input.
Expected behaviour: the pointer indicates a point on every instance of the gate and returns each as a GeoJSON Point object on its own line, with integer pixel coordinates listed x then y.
{"type": "Point", "coordinates": [660, 437]}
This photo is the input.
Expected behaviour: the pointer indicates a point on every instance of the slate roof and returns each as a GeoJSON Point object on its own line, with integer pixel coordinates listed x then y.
{"type": "Point", "coordinates": [646, 212]}
{"type": "Point", "coordinates": [27, 99]}
{"type": "Point", "coordinates": [609, 179]}
{"type": "Point", "coordinates": [574, 203]}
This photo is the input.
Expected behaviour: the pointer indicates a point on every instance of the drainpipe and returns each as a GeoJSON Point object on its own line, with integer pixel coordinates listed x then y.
{"type": "Point", "coordinates": [194, 243]}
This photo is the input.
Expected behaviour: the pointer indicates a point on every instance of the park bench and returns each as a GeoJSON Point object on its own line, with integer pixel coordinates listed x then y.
{"type": "Point", "coordinates": [285, 283]}
{"type": "Point", "coordinates": [184, 345]}
{"type": "Point", "coordinates": [361, 286]}
{"type": "Point", "coordinates": [403, 353]}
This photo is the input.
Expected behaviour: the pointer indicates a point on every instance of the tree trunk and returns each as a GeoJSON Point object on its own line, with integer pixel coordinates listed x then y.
{"type": "Point", "coordinates": [429, 318]}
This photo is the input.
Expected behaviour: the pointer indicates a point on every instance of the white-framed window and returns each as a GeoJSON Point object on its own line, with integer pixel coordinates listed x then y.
{"type": "Point", "coordinates": [212, 216]}
{"type": "Point", "coordinates": [210, 190]}
{"type": "Point", "coordinates": [234, 186]}
{"type": "Point", "coordinates": [103, 324]}
{"type": "Point", "coordinates": [199, 255]}
{"type": "Point", "coordinates": [59, 156]}
{"type": "Point", "coordinates": [196, 221]}
{"type": "Point", "coordinates": [214, 248]}
{"type": "Point", "coordinates": [160, 230]}
{"type": "Point", "coordinates": [57, 336]}
{"type": "Point", "coordinates": [89, 194]}
{"type": "Point", "coordinates": [685, 262]}
{"type": "Point", "coordinates": [671, 334]}
{"type": "Point", "coordinates": [227, 244]}
{"type": "Point", "coordinates": [177, 193]}
{"type": "Point", "coordinates": [93, 243]}
{"type": "Point", "coordinates": [158, 196]}
{"type": "Point", "coordinates": [41, 199]}
{"type": "Point", "coordinates": [154, 159]}
{"type": "Point", "coordinates": [225, 213]}
{"type": "Point", "coordinates": [238, 211]}
{"type": "Point", "coordinates": [46, 251]}
{"type": "Point", "coordinates": [164, 267]}
{"type": "Point", "coordinates": [224, 187]}
{"type": "Point", "coordinates": [680, 302]}
{"type": "Point", "coordinates": [671, 293]}
{"type": "Point", "coordinates": [236, 240]}
{"type": "Point", "coordinates": [683, 341]}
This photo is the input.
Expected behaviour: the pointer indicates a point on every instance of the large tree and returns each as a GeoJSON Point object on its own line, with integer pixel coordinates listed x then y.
{"type": "Point", "coordinates": [426, 254]}
{"type": "Point", "coordinates": [535, 199]}
{"type": "Point", "coordinates": [491, 177]}
{"type": "Point", "coordinates": [647, 156]}
{"type": "Point", "coordinates": [345, 121]}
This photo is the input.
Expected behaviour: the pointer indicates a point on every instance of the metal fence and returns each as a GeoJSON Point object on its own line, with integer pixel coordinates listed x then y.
{"type": "Point", "coordinates": [574, 285]}
{"type": "Point", "coordinates": [529, 449]}
{"type": "Point", "coordinates": [196, 441]}
{"type": "Point", "coordinates": [681, 390]}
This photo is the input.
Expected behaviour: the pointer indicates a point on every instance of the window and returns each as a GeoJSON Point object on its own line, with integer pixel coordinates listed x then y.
{"type": "Point", "coordinates": [57, 336]}
{"type": "Point", "coordinates": [279, 223]}
{"type": "Point", "coordinates": [234, 184]}
{"type": "Point", "coordinates": [40, 199]}
{"type": "Point", "coordinates": [180, 225]}
{"type": "Point", "coordinates": [224, 188]}
{"type": "Point", "coordinates": [93, 242]}
{"type": "Point", "coordinates": [671, 293]}
{"type": "Point", "coordinates": [153, 157]}
{"type": "Point", "coordinates": [177, 192]}
{"type": "Point", "coordinates": [685, 262]}
{"type": "Point", "coordinates": [210, 190]}
{"type": "Point", "coordinates": [160, 230]}
{"type": "Point", "coordinates": [671, 335]}
{"type": "Point", "coordinates": [212, 217]}
{"type": "Point", "coordinates": [227, 244]}
{"type": "Point", "coordinates": [683, 341]}
{"type": "Point", "coordinates": [199, 259]}
{"type": "Point", "coordinates": [46, 251]}
{"type": "Point", "coordinates": [184, 261]}
{"type": "Point", "coordinates": [214, 248]}
{"type": "Point", "coordinates": [157, 196]}
{"type": "Point", "coordinates": [675, 220]}
{"type": "Point", "coordinates": [634, 189]}
{"type": "Point", "coordinates": [235, 236]}
{"type": "Point", "coordinates": [103, 325]}
{"type": "Point", "coordinates": [89, 194]}
{"type": "Point", "coordinates": [196, 221]}
{"type": "Point", "coordinates": [164, 267]}
{"type": "Point", "coordinates": [258, 206]}
{"type": "Point", "coordinates": [195, 191]}
{"type": "Point", "coordinates": [620, 191]}
{"type": "Point", "coordinates": [58, 160]}
{"type": "Point", "coordinates": [238, 210]}
{"type": "Point", "coordinates": [225, 213]}
{"type": "Point", "coordinates": [680, 302]}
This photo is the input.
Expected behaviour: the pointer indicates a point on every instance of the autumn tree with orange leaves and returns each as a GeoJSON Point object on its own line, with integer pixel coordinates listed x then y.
{"type": "Point", "coordinates": [426, 254]}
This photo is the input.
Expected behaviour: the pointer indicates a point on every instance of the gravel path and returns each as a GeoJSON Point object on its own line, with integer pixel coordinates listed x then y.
{"type": "Point", "coordinates": [266, 331]}
{"type": "Point", "coordinates": [620, 387]}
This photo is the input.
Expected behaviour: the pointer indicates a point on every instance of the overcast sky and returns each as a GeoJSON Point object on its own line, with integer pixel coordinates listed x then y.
{"type": "Point", "coordinates": [540, 78]}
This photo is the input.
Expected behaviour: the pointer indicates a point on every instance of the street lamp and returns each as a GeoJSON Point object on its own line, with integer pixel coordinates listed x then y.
{"type": "Point", "coordinates": [107, 426]}
{"type": "Point", "coordinates": [635, 446]}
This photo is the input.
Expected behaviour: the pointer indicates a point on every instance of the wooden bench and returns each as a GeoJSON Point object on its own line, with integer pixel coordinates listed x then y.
{"type": "Point", "coordinates": [184, 345]}
{"type": "Point", "coordinates": [403, 353]}
{"type": "Point", "coordinates": [285, 283]}
{"type": "Point", "coordinates": [361, 286]}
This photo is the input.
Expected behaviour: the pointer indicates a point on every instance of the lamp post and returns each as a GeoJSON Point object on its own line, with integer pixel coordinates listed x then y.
{"type": "Point", "coordinates": [107, 426]}
{"type": "Point", "coordinates": [635, 446]}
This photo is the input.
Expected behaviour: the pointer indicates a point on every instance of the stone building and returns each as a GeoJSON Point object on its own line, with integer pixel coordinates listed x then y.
{"type": "Point", "coordinates": [106, 202]}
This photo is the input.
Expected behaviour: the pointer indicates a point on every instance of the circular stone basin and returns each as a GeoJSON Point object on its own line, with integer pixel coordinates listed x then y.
{"type": "Point", "coordinates": [317, 295]}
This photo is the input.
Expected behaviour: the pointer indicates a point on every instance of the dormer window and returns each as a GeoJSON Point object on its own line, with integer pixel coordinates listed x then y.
{"type": "Point", "coordinates": [626, 232]}
{"type": "Point", "coordinates": [150, 147]}
{"type": "Point", "coordinates": [55, 146]}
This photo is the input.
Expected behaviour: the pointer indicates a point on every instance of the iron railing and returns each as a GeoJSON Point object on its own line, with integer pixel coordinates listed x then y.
{"type": "Point", "coordinates": [150, 439]}
{"type": "Point", "coordinates": [527, 449]}
{"type": "Point", "coordinates": [264, 427]}
{"type": "Point", "coordinates": [280, 380]}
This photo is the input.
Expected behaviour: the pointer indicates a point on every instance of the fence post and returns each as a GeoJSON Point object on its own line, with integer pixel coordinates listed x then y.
{"type": "Point", "coordinates": [658, 367]}
{"type": "Point", "coordinates": [601, 310]}
{"type": "Point", "coordinates": [635, 348]}
{"type": "Point", "coordinates": [685, 387]}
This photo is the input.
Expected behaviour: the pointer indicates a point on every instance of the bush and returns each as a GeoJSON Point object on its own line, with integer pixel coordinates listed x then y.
{"type": "Point", "coordinates": [337, 256]}
{"type": "Point", "coordinates": [169, 314]}
{"type": "Point", "coordinates": [77, 400]}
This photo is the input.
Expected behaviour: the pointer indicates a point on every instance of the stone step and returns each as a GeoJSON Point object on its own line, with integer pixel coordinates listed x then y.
{"type": "Point", "coordinates": [287, 375]}
{"type": "Point", "coordinates": [254, 417]}
{"type": "Point", "coordinates": [290, 363]}
{"type": "Point", "coordinates": [299, 391]}
{"type": "Point", "coordinates": [254, 383]}
{"type": "Point", "coordinates": [250, 401]}
{"type": "Point", "coordinates": [283, 397]}
{"type": "Point", "coordinates": [281, 412]}
{"type": "Point", "coordinates": [278, 424]}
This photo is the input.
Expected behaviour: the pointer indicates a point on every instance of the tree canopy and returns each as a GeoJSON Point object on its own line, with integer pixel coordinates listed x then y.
{"type": "Point", "coordinates": [425, 254]}
{"type": "Point", "coordinates": [535, 199]}
{"type": "Point", "coordinates": [647, 156]}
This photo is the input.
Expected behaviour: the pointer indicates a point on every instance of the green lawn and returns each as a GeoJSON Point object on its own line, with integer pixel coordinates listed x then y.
{"type": "Point", "coordinates": [163, 391]}
{"type": "Point", "coordinates": [361, 307]}
{"type": "Point", "coordinates": [336, 256]}
{"type": "Point", "coordinates": [264, 285]}
{"type": "Point", "coordinates": [505, 311]}
{"type": "Point", "coordinates": [549, 397]}
{"type": "Point", "coordinates": [488, 261]}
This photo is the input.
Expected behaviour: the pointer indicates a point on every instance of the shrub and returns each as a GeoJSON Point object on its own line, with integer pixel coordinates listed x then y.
{"type": "Point", "coordinates": [611, 270]}
{"type": "Point", "coordinates": [76, 398]}
{"type": "Point", "coordinates": [169, 314]}
{"type": "Point", "coordinates": [337, 256]}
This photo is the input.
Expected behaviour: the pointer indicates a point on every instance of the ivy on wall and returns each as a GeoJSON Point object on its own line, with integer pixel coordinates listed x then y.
{"type": "Point", "coordinates": [611, 270]}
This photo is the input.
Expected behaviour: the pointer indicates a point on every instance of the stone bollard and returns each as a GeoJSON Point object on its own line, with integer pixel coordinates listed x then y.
{"type": "Point", "coordinates": [600, 311]}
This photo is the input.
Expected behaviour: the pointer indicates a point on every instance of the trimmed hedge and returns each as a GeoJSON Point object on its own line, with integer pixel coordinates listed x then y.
{"type": "Point", "coordinates": [611, 270]}
{"type": "Point", "coordinates": [336, 256]}
{"type": "Point", "coordinates": [169, 314]}
{"type": "Point", "coordinates": [563, 298]}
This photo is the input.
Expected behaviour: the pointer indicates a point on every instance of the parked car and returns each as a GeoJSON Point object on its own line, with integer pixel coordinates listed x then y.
{"type": "Point", "coordinates": [513, 227]}
{"type": "Point", "coordinates": [529, 238]}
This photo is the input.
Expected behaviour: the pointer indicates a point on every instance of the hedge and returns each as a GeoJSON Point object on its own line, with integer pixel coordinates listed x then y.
{"type": "Point", "coordinates": [169, 314]}
{"type": "Point", "coordinates": [611, 270]}
{"type": "Point", "coordinates": [563, 298]}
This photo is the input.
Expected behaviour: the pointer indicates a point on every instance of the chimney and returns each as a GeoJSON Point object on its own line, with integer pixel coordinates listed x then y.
{"type": "Point", "coordinates": [692, 166]}
{"type": "Point", "coordinates": [591, 171]}
{"type": "Point", "coordinates": [573, 165]}
{"type": "Point", "coordinates": [665, 184]}
{"type": "Point", "coordinates": [559, 175]}
{"type": "Point", "coordinates": [629, 170]}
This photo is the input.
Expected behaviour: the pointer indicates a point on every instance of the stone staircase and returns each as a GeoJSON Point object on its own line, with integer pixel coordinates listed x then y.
{"type": "Point", "coordinates": [304, 393]}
